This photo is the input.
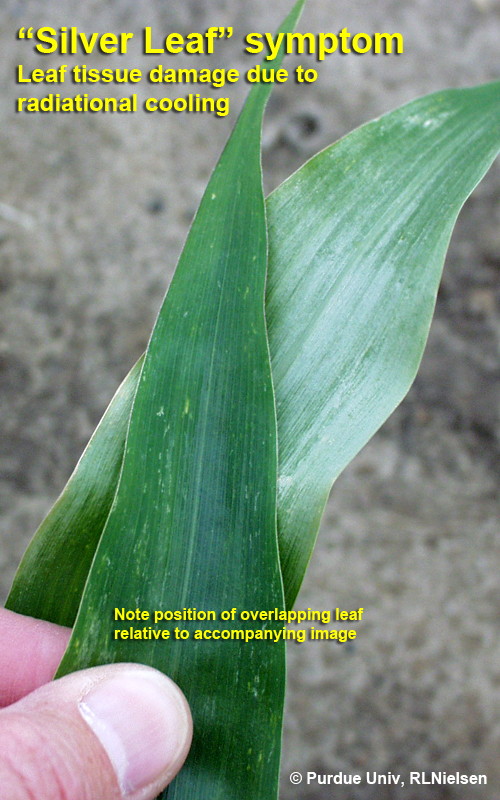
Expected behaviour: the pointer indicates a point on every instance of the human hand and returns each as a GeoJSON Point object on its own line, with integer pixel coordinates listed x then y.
{"type": "Point", "coordinates": [107, 733]}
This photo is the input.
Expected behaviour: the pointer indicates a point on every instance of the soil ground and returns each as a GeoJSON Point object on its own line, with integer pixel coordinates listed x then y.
{"type": "Point", "coordinates": [93, 212]}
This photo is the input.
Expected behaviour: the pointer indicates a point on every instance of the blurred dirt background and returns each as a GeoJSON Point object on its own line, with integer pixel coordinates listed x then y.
{"type": "Point", "coordinates": [93, 212]}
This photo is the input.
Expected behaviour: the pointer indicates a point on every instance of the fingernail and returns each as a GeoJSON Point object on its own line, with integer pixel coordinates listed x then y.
{"type": "Point", "coordinates": [141, 720]}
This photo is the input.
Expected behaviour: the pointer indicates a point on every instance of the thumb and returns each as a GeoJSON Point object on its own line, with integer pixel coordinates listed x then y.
{"type": "Point", "coordinates": [107, 733]}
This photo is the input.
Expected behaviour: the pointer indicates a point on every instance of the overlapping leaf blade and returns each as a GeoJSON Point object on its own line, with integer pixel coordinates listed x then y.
{"type": "Point", "coordinates": [357, 239]}
{"type": "Point", "coordinates": [193, 522]}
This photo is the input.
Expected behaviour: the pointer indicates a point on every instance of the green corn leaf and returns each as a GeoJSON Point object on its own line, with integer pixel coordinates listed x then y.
{"type": "Point", "coordinates": [357, 239]}
{"type": "Point", "coordinates": [49, 582]}
{"type": "Point", "coordinates": [193, 521]}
